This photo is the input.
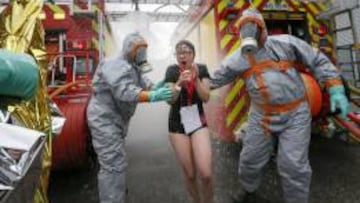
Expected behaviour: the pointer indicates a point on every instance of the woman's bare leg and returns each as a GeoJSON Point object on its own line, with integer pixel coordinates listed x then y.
{"type": "Point", "coordinates": [182, 147]}
{"type": "Point", "coordinates": [201, 146]}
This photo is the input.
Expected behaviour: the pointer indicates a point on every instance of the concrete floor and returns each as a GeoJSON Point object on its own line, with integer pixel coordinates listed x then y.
{"type": "Point", "coordinates": [154, 175]}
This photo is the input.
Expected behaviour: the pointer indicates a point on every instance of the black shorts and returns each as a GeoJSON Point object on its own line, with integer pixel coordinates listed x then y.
{"type": "Point", "coordinates": [175, 126]}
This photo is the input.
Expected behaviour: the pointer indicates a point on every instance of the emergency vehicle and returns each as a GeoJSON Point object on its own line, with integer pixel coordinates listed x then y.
{"type": "Point", "coordinates": [77, 37]}
{"type": "Point", "coordinates": [214, 30]}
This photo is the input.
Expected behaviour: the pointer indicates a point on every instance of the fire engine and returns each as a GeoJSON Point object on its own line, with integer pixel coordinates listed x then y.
{"type": "Point", "coordinates": [214, 30]}
{"type": "Point", "coordinates": [77, 37]}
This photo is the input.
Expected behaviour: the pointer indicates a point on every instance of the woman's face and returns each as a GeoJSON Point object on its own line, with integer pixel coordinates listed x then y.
{"type": "Point", "coordinates": [184, 55]}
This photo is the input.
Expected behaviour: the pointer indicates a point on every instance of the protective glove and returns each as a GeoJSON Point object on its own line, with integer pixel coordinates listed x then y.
{"type": "Point", "coordinates": [161, 94]}
{"type": "Point", "coordinates": [338, 99]}
{"type": "Point", "coordinates": [157, 85]}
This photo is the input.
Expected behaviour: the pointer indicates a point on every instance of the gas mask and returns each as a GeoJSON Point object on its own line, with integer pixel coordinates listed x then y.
{"type": "Point", "coordinates": [141, 60]}
{"type": "Point", "coordinates": [250, 36]}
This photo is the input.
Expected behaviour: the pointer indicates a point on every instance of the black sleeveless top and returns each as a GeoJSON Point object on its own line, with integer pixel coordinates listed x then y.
{"type": "Point", "coordinates": [172, 75]}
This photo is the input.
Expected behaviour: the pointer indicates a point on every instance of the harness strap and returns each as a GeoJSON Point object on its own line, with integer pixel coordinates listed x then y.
{"type": "Point", "coordinates": [280, 108]}
{"type": "Point", "coordinates": [257, 68]}
{"type": "Point", "coordinates": [270, 109]}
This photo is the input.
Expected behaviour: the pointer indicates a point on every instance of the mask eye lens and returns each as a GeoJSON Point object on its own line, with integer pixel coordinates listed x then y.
{"type": "Point", "coordinates": [140, 55]}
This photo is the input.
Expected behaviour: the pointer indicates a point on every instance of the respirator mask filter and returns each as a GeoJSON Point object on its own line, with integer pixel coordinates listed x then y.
{"type": "Point", "coordinates": [141, 60]}
{"type": "Point", "coordinates": [250, 36]}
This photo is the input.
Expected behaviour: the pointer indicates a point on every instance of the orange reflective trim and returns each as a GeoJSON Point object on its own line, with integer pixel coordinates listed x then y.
{"type": "Point", "coordinates": [332, 82]}
{"type": "Point", "coordinates": [144, 96]}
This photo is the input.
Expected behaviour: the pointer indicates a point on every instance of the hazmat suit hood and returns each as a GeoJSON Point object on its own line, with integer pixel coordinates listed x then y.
{"type": "Point", "coordinates": [134, 51]}
{"type": "Point", "coordinates": [253, 32]}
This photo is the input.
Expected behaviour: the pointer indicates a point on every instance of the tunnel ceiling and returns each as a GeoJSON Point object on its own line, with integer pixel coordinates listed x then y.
{"type": "Point", "coordinates": [159, 10]}
{"type": "Point", "coordinates": [182, 2]}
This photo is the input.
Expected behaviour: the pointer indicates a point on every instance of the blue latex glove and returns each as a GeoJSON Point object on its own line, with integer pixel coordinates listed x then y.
{"type": "Point", "coordinates": [161, 94]}
{"type": "Point", "coordinates": [339, 100]}
{"type": "Point", "coordinates": [157, 85]}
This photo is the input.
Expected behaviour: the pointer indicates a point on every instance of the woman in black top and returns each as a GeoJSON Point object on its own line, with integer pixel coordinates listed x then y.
{"type": "Point", "coordinates": [188, 130]}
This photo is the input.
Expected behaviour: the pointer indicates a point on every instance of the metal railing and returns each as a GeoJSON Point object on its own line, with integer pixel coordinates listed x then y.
{"type": "Point", "coordinates": [54, 67]}
{"type": "Point", "coordinates": [158, 17]}
{"type": "Point", "coordinates": [179, 2]}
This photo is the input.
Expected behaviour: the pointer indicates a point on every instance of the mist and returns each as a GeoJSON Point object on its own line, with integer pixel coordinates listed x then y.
{"type": "Point", "coordinates": [150, 119]}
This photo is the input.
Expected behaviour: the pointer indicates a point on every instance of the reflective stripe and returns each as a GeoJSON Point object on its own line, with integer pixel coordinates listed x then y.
{"type": "Point", "coordinates": [54, 9]}
{"type": "Point", "coordinates": [58, 12]}
{"type": "Point", "coordinates": [42, 15]}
